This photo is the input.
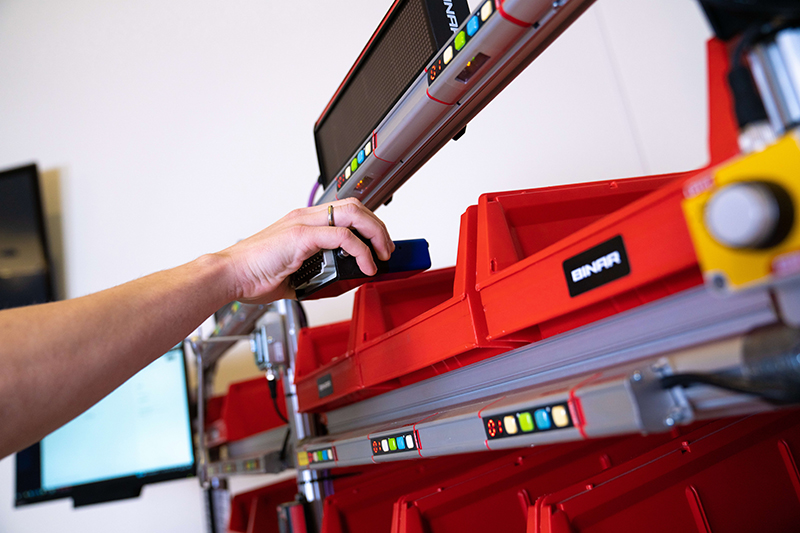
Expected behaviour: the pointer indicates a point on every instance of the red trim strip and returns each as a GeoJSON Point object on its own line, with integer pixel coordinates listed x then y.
{"type": "Point", "coordinates": [489, 405]}
{"type": "Point", "coordinates": [575, 405]}
{"type": "Point", "coordinates": [513, 20]}
{"type": "Point", "coordinates": [434, 99]}
{"type": "Point", "coordinates": [486, 442]}
{"type": "Point", "coordinates": [350, 72]}
{"type": "Point", "coordinates": [380, 158]}
{"type": "Point", "coordinates": [416, 433]}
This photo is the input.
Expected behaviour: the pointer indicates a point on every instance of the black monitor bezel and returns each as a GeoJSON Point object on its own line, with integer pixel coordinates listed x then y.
{"type": "Point", "coordinates": [114, 488]}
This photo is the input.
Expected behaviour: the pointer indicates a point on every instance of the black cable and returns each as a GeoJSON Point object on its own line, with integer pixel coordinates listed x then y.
{"type": "Point", "coordinates": [772, 391]}
{"type": "Point", "coordinates": [273, 392]}
{"type": "Point", "coordinates": [763, 7]}
{"type": "Point", "coordinates": [285, 446]}
{"type": "Point", "coordinates": [748, 105]}
{"type": "Point", "coordinates": [303, 317]}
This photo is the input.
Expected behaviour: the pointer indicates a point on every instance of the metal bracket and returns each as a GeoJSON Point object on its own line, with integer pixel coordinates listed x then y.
{"type": "Point", "coordinates": [659, 409]}
{"type": "Point", "coordinates": [268, 344]}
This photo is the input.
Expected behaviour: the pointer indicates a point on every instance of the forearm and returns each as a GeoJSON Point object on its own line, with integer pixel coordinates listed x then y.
{"type": "Point", "coordinates": [59, 359]}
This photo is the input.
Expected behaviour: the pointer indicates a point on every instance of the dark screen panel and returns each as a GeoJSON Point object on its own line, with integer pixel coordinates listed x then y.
{"type": "Point", "coordinates": [25, 272]}
{"type": "Point", "coordinates": [399, 53]}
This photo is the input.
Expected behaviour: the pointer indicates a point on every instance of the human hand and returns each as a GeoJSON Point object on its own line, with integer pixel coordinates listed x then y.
{"type": "Point", "coordinates": [260, 265]}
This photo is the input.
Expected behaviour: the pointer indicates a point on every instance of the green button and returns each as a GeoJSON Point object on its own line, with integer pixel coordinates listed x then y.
{"type": "Point", "coordinates": [354, 165]}
{"type": "Point", "coordinates": [461, 40]}
{"type": "Point", "coordinates": [392, 444]}
{"type": "Point", "coordinates": [525, 422]}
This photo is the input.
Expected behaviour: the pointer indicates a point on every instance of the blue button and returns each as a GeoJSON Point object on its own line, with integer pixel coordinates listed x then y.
{"type": "Point", "coordinates": [472, 26]}
{"type": "Point", "coordinates": [360, 157]}
{"type": "Point", "coordinates": [542, 418]}
{"type": "Point", "coordinates": [401, 443]}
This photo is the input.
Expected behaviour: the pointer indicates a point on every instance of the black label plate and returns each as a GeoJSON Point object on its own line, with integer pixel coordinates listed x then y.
{"type": "Point", "coordinates": [597, 266]}
{"type": "Point", "coordinates": [325, 385]}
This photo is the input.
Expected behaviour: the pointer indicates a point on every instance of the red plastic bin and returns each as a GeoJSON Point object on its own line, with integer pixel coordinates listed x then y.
{"type": "Point", "coordinates": [525, 237]}
{"type": "Point", "coordinates": [402, 331]}
{"type": "Point", "coordinates": [245, 411]}
{"type": "Point", "coordinates": [325, 355]}
{"type": "Point", "coordinates": [734, 475]}
{"type": "Point", "coordinates": [257, 510]}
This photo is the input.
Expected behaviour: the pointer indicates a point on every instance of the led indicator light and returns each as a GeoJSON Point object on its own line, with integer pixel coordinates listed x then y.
{"type": "Point", "coordinates": [410, 442]}
{"type": "Point", "coordinates": [525, 422]}
{"type": "Point", "coordinates": [392, 444]}
{"type": "Point", "coordinates": [461, 40]}
{"type": "Point", "coordinates": [360, 157]}
{"type": "Point", "coordinates": [385, 445]}
{"type": "Point", "coordinates": [401, 443]}
{"type": "Point", "coordinates": [354, 165]}
{"type": "Point", "coordinates": [486, 10]}
{"type": "Point", "coordinates": [448, 54]}
{"type": "Point", "coordinates": [472, 26]}
{"type": "Point", "coordinates": [491, 428]}
{"type": "Point", "coordinates": [560, 416]}
{"type": "Point", "coordinates": [542, 419]}
{"type": "Point", "coordinates": [375, 446]}
{"type": "Point", "coordinates": [347, 173]}
{"type": "Point", "coordinates": [511, 424]}
{"type": "Point", "coordinates": [368, 148]}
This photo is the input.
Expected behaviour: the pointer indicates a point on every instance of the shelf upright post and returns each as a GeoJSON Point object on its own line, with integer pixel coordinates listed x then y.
{"type": "Point", "coordinates": [314, 485]}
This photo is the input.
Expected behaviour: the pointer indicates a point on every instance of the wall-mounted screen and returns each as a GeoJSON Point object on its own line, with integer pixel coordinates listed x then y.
{"type": "Point", "coordinates": [138, 434]}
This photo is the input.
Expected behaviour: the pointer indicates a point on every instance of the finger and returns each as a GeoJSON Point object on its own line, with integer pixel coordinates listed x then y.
{"type": "Point", "coordinates": [330, 238]}
{"type": "Point", "coordinates": [351, 213]}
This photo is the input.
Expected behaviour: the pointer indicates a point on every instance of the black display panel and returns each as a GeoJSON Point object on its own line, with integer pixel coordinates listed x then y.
{"type": "Point", "coordinates": [407, 39]}
{"type": "Point", "coordinates": [25, 269]}
{"type": "Point", "coordinates": [139, 434]}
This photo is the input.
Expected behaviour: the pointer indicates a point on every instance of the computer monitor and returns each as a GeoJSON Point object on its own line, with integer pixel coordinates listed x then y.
{"type": "Point", "coordinates": [25, 269]}
{"type": "Point", "coordinates": [139, 434]}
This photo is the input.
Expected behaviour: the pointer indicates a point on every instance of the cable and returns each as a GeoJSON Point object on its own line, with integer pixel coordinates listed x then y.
{"type": "Point", "coordinates": [773, 391]}
{"type": "Point", "coordinates": [273, 392]}
{"type": "Point", "coordinates": [764, 7]}
{"type": "Point", "coordinates": [313, 193]}
{"type": "Point", "coordinates": [303, 316]}
{"type": "Point", "coordinates": [285, 446]}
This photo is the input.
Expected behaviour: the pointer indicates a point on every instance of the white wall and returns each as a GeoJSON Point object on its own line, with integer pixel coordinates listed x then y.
{"type": "Point", "coordinates": [170, 129]}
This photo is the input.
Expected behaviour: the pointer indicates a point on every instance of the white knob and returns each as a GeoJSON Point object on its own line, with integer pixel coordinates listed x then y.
{"type": "Point", "coordinates": [742, 215]}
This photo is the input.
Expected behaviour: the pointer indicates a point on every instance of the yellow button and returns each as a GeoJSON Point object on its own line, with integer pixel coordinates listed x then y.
{"type": "Point", "coordinates": [302, 459]}
{"type": "Point", "coordinates": [560, 417]}
{"type": "Point", "coordinates": [486, 10]}
{"type": "Point", "coordinates": [448, 54]}
{"type": "Point", "coordinates": [511, 424]}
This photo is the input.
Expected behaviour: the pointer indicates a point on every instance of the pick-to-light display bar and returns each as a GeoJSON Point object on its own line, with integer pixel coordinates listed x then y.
{"type": "Point", "coordinates": [488, 50]}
